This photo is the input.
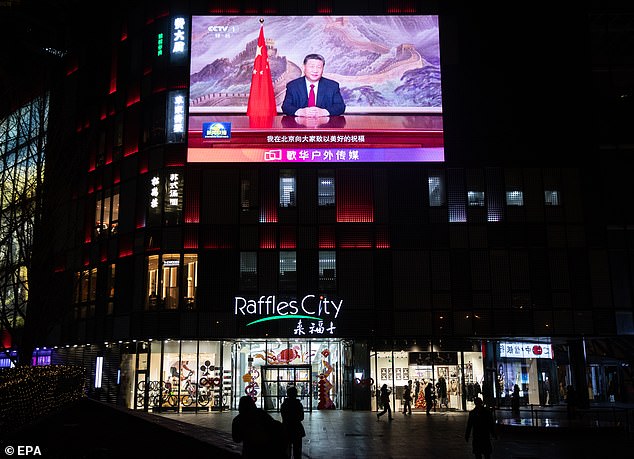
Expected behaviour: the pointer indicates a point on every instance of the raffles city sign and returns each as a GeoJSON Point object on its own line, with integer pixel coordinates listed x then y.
{"type": "Point", "coordinates": [315, 314]}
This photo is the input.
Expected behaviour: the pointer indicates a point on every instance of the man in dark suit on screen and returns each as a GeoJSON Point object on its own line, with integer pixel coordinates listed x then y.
{"type": "Point", "coordinates": [313, 95]}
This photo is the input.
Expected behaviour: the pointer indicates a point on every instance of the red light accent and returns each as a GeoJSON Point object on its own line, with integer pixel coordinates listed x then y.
{"type": "Point", "coordinates": [113, 72]}
{"type": "Point", "coordinates": [131, 150]}
{"type": "Point", "coordinates": [192, 198]}
{"type": "Point", "coordinates": [354, 199]}
{"type": "Point", "coordinates": [382, 238]}
{"type": "Point", "coordinates": [133, 99]}
{"type": "Point", "coordinates": [268, 237]}
{"type": "Point", "coordinates": [125, 246]}
{"type": "Point", "coordinates": [103, 256]}
{"type": "Point", "coordinates": [6, 339]}
{"type": "Point", "coordinates": [143, 165]}
{"type": "Point", "coordinates": [356, 237]}
{"type": "Point", "coordinates": [190, 238]}
{"type": "Point", "coordinates": [72, 69]}
{"type": "Point", "coordinates": [288, 238]}
{"type": "Point", "coordinates": [327, 237]}
{"type": "Point", "coordinates": [116, 175]}
{"type": "Point", "coordinates": [59, 269]}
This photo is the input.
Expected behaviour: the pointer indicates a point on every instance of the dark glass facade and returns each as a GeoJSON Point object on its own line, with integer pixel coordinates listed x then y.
{"type": "Point", "coordinates": [469, 269]}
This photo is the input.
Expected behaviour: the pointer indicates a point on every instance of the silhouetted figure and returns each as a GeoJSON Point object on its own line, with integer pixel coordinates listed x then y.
{"type": "Point", "coordinates": [571, 402]}
{"type": "Point", "coordinates": [515, 400]}
{"type": "Point", "coordinates": [429, 396]}
{"type": "Point", "coordinates": [482, 424]}
{"type": "Point", "coordinates": [407, 400]}
{"type": "Point", "coordinates": [254, 427]}
{"type": "Point", "coordinates": [441, 387]}
{"type": "Point", "coordinates": [292, 416]}
{"type": "Point", "coordinates": [385, 400]}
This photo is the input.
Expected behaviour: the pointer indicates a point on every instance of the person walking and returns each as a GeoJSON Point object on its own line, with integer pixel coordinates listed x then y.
{"type": "Point", "coordinates": [515, 401]}
{"type": "Point", "coordinates": [254, 427]}
{"type": "Point", "coordinates": [385, 400]}
{"type": "Point", "coordinates": [292, 416]}
{"type": "Point", "coordinates": [407, 399]}
{"type": "Point", "coordinates": [482, 424]}
{"type": "Point", "coordinates": [429, 396]}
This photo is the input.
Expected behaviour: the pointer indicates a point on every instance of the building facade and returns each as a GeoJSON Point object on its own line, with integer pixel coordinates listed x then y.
{"type": "Point", "coordinates": [185, 284]}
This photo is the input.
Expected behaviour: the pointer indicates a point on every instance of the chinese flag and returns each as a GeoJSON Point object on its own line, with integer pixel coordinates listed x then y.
{"type": "Point", "coordinates": [261, 95]}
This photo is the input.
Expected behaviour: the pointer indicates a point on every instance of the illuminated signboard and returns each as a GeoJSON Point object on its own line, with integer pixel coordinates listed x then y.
{"type": "Point", "coordinates": [180, 37]}
{"type": "Point", "coordinates": [176, 116]}
{"type": "Point", "coordinates": [526, 350]}
{"type": "Point", "coordinates": [387, 68]}
{"type": "Point", "coordinates": [315, 314]}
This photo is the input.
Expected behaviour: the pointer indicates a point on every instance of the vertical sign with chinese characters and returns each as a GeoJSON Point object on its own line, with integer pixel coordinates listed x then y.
{"type": "Point", "coordinates": [155, 191]}
{"type": "Point", "coordinates": [179, 46]}
{"type": "Point", "coordinates": [173, 204]}
{"type": "Point", "coordinates": [176, 116]}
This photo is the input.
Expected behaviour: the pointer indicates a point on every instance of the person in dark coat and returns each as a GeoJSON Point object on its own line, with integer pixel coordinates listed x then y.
{"type": "Point", "coordinates": [385, 401]}
{"type": "Point", "coordinates": [429, 396]}
{"type": "Point", "coordinates": [254, 427]}
{"type": "Point", "coordinates": [482, 424]}
{"type": "Point", "coordinates": [292, 416]}
{"type": "Point", "coordinates": [515, 401]}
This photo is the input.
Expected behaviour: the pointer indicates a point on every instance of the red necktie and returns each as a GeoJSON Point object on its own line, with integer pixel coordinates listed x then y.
{"type": "Point", "coordinates": [311, 96]}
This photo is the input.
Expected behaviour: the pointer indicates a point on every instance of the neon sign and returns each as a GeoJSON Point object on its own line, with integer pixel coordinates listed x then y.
{"type": "Point", "coordinates": [319, 310]}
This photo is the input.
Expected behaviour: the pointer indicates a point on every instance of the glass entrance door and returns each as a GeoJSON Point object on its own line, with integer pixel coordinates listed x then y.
{"type": "Point", "coordinates": [277, 378]}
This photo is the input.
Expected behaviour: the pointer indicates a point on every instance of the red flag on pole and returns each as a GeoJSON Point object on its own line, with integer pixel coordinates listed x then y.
{"type": "Point", "coordinates": [261, 95]}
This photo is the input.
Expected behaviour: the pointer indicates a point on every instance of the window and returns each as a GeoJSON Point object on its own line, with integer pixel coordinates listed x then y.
{"type": "Point", "coordinates": [85, 293]}
{"type": "Point", "coordinates": [288, 188]}
{"type": "Point", "coordinates": [436, 190]}
{"type": "Point", "coordinates": [112, 271]}
{"type": "Point", "coordinates": [551, 198]}
{"type": "Point", "coordinates": [515, 198]}
{"type": "Point", "coordinates": [327, 270]}
{"type": "Point", "coordinates": [190, 271]}
{"type": "Point", "coordinates": [475, 198]}
{"type": "Point", "coordinates": [248, 270]}
{"type": "Point", "coordinates": [326, 189]}
{"type": "Point", "coordinates": [107, 213]}
{"type": "Point", "coordinates": [288, 273]}
{"type": "Point", "coordinates": [170, 284]}
{"type": "Point", "coordinates": [152, 282]}
{"type": "Point", "coordinates": [245, 194]}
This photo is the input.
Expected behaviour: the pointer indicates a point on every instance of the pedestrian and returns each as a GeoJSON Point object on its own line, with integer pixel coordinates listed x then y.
{"type": "Point", "coordinates": [429, 396]}
{"type": "Point", "coordinates": [385, 400]}
{"type": "Point", "coordinates": [254, 427]}
{"type": "Point", "coordinates": [482, 424]}
{"type": "Point", "coordinates": [571, 402]}
{"type": "Point", "coordinates": [515, 401]}
{"type": "Point", "coordinates": [407, 399]}
{"type": "Point", "coordinates": [292, 416]}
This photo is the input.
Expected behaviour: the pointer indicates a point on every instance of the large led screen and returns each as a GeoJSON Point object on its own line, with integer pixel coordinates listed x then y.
{"type": "Point", "coordinates": [387, 69]}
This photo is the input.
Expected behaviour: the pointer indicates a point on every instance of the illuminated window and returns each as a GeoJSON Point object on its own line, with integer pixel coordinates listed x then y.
{"type": "Point", "coordinates": [107, 212]}
{"type": "Point", "coordinates": [475, 198]}
{"type": "Point", "coordinates": [326, 189]}
{"type": "Point", "coordinates": [85, 293]}
{"type": "Point", "coordinates": [152, 282]}
{"type": "Point", "coordinates": [436, 185]}
{"type": "Point", "coordinates": [327, 270]}
{"type": "Point", "coordinates": [248, 270]}
{"type": "Point", "coordinates": [110, 288]}
{"type": "Point", "coordinates": [288, 270]}
{"type": "Point", "coordinates": [190, 271]}
{"type": "Point", "coordinates": [551, 198]}
{"type": "Point", "coordinates": [170, 282]}
{"type": "Point", "coordinates": [288, 188]}
{"type": "Point", "coordinates": [515, 198]}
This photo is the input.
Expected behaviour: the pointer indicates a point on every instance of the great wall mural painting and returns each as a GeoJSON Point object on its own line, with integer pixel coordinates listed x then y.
{"type": "Point", "coordinates": [384, 64]}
